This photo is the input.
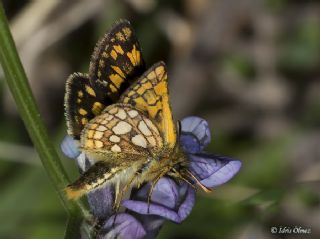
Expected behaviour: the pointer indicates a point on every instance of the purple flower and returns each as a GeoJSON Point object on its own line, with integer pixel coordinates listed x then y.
{"type": "Point", "coordinates": [195, 134]}
{"type": "Point", "coordinates": [70, 147]}
{"type": "Point", "coordinates": [169, 200]}
{"type": "Point", "coordinates": [172, 201]}
{"type": "Point", "coordinates": [212, 170]}
{"type": "Point", "coordinates": [121, 225]}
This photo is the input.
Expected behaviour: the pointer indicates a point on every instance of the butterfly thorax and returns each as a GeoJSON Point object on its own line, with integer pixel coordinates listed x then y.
{"type": "Point", "coordinates": [167, 162]}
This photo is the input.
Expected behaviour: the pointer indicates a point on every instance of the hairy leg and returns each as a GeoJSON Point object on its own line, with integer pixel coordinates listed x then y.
{"type": "Point", "coordinates": [153, 184]}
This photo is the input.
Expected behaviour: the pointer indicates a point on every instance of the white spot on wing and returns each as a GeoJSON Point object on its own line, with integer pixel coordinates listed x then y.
{"type": "Point", "coordinates": [121, 128]}
{"type": "Point", "coordinates": [115, 148]}
{"type": "Point", "coordinates": [151, 126]}
{"type": "Point", "coordinates": [133, 113]}
{"type": "Point", "coordinates": [121, 114]}
{"type": "Point", "coordinates": [144, 128]}
{"type": "Point", "coordinates": [114, 139]}
{"type": "Point", "coordinates": [101, 128]}
{"type": "Point", "coordinates": [110, 117]}
{"type": "Point", "coordinates": [139, 140]}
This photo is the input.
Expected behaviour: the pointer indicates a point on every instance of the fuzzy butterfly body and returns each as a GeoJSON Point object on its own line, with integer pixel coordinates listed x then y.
{"type": "Point", "coordinates": [122, 117]}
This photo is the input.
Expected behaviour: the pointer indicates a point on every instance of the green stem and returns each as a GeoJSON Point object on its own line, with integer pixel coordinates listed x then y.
{"type": "Point", "coordinates": [21, 92]}
{"type": "Point", "coordinates": [73, 228]}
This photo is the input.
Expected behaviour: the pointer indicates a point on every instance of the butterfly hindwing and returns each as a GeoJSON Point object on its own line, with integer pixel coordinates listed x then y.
{"type": "Point", "coordinates": [150, 95]}
{"type": "Point", "coordinates": [117, 60]}
{"type": "Point", "coordinates": [82, 102]}
{"type": "Point", "coordinates": [123, 130]}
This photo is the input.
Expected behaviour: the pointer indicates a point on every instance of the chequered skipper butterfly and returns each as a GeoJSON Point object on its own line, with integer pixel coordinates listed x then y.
{"type": "Point", "coordinates": [123, 118]}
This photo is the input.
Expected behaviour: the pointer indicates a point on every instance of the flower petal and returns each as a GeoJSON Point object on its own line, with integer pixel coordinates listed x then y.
{"type": "Point", "coordinates": [213, 170]}
{"type": "Point", "coordinates": [70, 147]}
{"type": "Point", "coordinates": [189, 143]}
{"type": "Point", "coordinates": [153, 209]}
{"type": "Point", "coordinates": [124, 226]}
{"type": "Point", "coordinates": [151, 223]}
{"type": "Point", "coordinates": [195, 134]}
{"type": "Point", "coordinates": [188, 203]}
{"type": "Point", "coordinates": [164, 193]}
{"type": "Point", "coordinates": [161, 201]}
{"type": "Point", "coordinates": [101, 201]}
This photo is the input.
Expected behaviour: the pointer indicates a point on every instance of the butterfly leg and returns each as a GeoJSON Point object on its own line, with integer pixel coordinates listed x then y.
{"type": "Point", "coordinates": [118, 198]}
{"type": "Point", "coordinates": [153, 184]}
{"type": "Point", "coordinates": [137, 174]}
{"type": "Point", "coordinates": [120, 194]}
{"type": "Point", "coordinates": [95, 177]}
{"type": "Point", "coordinates": [116, 194]}
{"type": "Point", "coordinates": [175, 174]}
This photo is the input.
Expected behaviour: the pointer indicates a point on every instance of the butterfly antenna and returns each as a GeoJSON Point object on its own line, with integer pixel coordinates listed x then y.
{"type": "Point", "coordinates": [204, 188]}
{"type": "Point", "coordinates": [183, 178]}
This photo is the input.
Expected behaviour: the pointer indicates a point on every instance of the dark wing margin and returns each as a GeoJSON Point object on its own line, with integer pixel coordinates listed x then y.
{"type": "Point", "coordinates": [117, 60]}
{"type": "Point", "coordinates": [82, 102]}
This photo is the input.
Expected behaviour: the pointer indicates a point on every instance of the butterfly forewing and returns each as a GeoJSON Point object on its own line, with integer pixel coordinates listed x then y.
{"type": "Point", "coordinates": [82, 102]}
{"type": "Point", "coordinates": [150, 95]}
{"type": "Point", "coordinates": [117, 60]}
{"type": "Point", "coordinates": [121, 129]}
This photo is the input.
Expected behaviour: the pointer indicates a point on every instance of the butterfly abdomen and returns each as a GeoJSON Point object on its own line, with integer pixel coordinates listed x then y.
{"type": "Point", "coordinates": [92, 180]}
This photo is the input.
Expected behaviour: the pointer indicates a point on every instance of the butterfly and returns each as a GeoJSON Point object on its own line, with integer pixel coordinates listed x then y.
{"type": "Point", "coordinates": [133, 139]}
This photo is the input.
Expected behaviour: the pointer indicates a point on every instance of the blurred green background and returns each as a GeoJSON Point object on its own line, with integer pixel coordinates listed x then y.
{"type": "Point", "coordinates": [250, 67]}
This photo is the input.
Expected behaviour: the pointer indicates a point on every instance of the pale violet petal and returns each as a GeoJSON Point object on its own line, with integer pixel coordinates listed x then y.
{"type": "Point", "coordinates": [177, 214]}
{"type": "Point", "coordinates": [223, 175]}
{"type": "Point", "coordinates": [123, 226]}
{"type": "Point", "coordinates": [213, 170]}
{"type": "Point", "coordinates": [169, 200]}
{"type": "Point", "coordinates": [165, 192]}
{"type": "Point", "coordinates": [101, 201]}
{"type": "Point", "coordinates": [70, 147]}
{"type": "Point", "coordinates": [195, 134]}
{"type": "Point", "coordinates": [83, 162]}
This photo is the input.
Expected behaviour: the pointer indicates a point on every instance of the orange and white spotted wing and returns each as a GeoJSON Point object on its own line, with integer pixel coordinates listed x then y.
{"type": "Point", "coordinates": [150, 95]}
{"type": "Point", "coordinates": [121, 130]}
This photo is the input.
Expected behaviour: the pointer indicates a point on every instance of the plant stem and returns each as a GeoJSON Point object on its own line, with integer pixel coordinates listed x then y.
{"type": "Point", "coordinates": [73, 228]}
{"type": "Point", "coordinates": [21, 92]}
